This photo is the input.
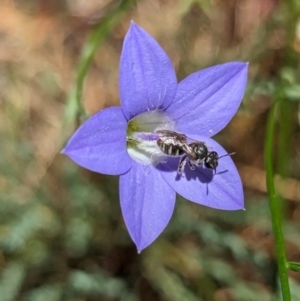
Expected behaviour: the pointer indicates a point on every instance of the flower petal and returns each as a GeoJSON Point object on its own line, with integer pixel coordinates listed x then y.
{"type": "Point", "coordinates": [208, 99]}
{"type": "Point", "coordinates": [100, 143]}
{"type": "Point", "coordinates": [222, 190]}
{"type": "Point", "coordinates": [147, 77]}
{"type": "Point", "coordinates": [147, 203]}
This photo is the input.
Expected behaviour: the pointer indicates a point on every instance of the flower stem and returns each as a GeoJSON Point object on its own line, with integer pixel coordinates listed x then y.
{"type": "Point", "coordinates": [294, 266]}
{"type": "Point", "coordinates": [95, 38]}
{"type": "Point", "coordinates": [275, 204]}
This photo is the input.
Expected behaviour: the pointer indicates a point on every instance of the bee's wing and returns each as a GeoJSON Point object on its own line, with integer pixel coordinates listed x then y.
{"type": "Point", "coordinates": [191, 140]}
{"type": "Point", "coordinates": [168, 134]}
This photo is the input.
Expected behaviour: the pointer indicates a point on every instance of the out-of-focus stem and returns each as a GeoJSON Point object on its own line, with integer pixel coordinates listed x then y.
{"type": "Point", "coordinates": [96, 38]}
{"type": "Point", "coordinates": [275, 205]}
{"type": "Point", "coordinates": [294, 266]}
{"type": "Point", "coordinates": [286, 109]}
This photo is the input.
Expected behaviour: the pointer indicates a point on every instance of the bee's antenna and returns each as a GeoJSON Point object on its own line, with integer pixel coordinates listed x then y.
{"type": "Point", "coordinates": [230, 154]}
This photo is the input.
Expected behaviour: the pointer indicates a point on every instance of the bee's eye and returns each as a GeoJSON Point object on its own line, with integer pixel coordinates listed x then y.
{"type": "Point", "coordinates": [211, 160]}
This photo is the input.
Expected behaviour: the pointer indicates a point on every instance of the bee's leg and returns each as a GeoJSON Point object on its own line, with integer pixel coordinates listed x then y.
{"type": "Point", "coordinates": [199, 162]}
{"type": "Point", "coordinates": [191, 164]}
{"type": "Point", "coordinates": [181, 165]}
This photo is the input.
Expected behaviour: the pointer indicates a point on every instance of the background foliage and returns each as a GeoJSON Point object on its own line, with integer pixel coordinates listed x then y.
{"type": "Point", "coordinates": [62, 236]}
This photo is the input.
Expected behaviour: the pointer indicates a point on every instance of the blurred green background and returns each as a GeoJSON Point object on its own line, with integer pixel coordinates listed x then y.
{"type": "Point", "coordinates": [62, 236]}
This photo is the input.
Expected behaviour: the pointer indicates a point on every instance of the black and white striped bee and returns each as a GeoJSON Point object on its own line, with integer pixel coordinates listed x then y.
{"type": "Point", "coordinates": [194, 153]}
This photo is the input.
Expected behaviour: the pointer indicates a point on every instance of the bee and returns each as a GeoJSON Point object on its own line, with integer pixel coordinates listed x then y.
{"type": "Point", "coordinates": [194, 153]}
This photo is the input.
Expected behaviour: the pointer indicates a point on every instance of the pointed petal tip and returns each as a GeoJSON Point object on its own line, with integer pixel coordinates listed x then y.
{"type": "Point", "coordinates": [246, 64]}
{"type": "Point", "coordinates": [141, 247]}
{"type": "Point", "coordinates": [238, 64]}
{"type": "Point", "coordinates": [242, 65]}
{"type": "Point", "coordinates": [133, 26]}
{"type": "Point", "coordinates": [238, 207]}
{"type": "Point", "coordinates": [135, 29]}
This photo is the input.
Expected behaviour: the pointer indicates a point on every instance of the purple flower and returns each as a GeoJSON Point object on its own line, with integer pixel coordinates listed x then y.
{"type": "Point", "coordinates": [199, 106]}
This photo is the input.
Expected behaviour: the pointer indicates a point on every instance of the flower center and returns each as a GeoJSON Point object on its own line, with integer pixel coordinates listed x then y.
{"type": "Point", "coordinates": [141, 136]}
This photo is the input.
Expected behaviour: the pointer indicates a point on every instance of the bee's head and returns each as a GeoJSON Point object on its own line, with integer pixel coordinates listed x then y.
{"type": "Point", "coordinates": [212, 160]}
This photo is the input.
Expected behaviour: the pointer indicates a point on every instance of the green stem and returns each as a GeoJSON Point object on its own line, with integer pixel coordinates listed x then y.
{"type": "Point", "coordinates": [275, 208]}
{"type": "Point", "coordinates": [294, 266]}
{"type": "Point", "coordinates": [286, 110]}
{"type": "Point", "coordinates": [95, 38]}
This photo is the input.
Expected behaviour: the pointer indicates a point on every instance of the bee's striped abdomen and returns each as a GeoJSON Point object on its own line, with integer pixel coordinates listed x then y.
{"type": "Point", "coordinates": [169, 148]}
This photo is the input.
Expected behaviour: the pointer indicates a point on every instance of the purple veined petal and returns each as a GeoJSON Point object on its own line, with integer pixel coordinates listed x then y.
{"type": "Point", "coordinates": [100, 143]}
{"type": "Point", "coordinates": [222, 190]}
{"type": "Point", "coordinates": [208, 99]}
{"type": "Point", "coordinates": [147, 203]}
{"type": "Point", "coordinates": [147, 77]}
